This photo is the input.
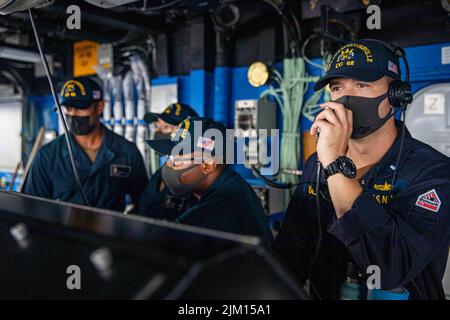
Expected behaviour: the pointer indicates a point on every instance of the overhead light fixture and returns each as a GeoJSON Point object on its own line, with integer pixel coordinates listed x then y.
{"type": "Point", "coordinates": [258, 74]}
{"type": "Point", "coordinates": [10, 6]}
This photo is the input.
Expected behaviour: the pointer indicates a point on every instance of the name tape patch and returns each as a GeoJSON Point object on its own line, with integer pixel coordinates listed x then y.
{"type": "Point", "coordinates": [120, 171]}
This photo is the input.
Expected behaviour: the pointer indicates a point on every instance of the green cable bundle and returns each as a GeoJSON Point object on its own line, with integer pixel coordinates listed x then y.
{"type": "Point", "coordinates": [290, 97]}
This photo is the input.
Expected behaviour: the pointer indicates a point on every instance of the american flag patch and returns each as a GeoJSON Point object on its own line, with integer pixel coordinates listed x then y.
{"type": "Point", "coordinates": [392, 67]}
{"type": "Point", "coordinates": [96, 94]}
{"type": "Point", "coordinates": [205, 143]}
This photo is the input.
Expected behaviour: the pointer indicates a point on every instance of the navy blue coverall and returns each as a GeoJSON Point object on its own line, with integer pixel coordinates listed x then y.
{"type": "Point", "coordinates": [118, 170]}
{"type": "Point", "coordinates": [160, 203]}
{"type": "Point", "coordinates": [229, 205]}
{"type": "Point", "coordinates": [406, 233]}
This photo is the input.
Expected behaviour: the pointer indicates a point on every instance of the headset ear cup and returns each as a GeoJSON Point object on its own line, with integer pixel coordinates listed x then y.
{"type": "Point", "coordinates": [400, 94]}
{"type": "Point", "coordinates": [407, 95]}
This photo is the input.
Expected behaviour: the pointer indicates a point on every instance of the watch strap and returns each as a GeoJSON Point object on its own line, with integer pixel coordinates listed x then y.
{"type": "Point", "coordinates": [332, 168]}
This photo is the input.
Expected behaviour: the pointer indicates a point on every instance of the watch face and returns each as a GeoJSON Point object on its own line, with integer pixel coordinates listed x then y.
{"type": "Point", "coordinates": [348, 167]}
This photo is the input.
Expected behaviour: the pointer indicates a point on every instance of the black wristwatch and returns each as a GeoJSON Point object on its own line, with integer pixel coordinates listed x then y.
{"type": "Point", "coordinates": [342, 165]}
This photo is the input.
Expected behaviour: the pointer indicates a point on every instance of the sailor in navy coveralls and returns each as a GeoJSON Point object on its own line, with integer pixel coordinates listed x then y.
{"type": "Point", "coordinates": [403, 228]}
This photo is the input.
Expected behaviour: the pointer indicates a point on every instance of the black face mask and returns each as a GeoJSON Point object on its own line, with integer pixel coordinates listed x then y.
{"type": "Point", "coordinates": [80, 126]}
{"type": "Point", "coordinates": [365, 114]}
{"type": "Point", "coordinates": [171, 178]}
{"type": "Point", "coordinates": [159, 135]}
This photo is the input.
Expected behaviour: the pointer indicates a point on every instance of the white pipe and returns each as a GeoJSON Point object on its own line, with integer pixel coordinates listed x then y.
{"type": "Point", "coordinates": [139, 80]}
{"type": "Point", "coordinates": [128, 95]}
{"type": "Point", "coordinates": [147, 86]}
{"type": "Point", "coordinates": [130, 108]}
{"type": "Point", "coordinates": [106, 76]}
{"type": "Point", "coordinates": [118, 105]}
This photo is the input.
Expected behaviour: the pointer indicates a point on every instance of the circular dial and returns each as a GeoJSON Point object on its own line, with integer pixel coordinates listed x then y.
{"type": "Point", "coordinates": [258, 74]}
{"type": "Point", "coordinates": [347, 167]}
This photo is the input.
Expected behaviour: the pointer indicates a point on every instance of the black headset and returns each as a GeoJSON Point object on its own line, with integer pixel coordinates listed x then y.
{"type": "Point", "coordinates": [399, 93]}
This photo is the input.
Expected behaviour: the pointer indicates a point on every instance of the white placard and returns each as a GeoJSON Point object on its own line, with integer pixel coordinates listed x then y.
{"type": "Point", "coordinates": [163, 96]}
{"type": "Point", "coordinates": [10, 135]}
{"type": "Point", "coordinates": [434, 104]}
{"type": "Point", "coordinates": [445, 55]}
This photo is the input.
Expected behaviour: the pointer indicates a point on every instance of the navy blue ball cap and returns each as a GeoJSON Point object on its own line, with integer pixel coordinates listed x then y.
{"type": "Point", "coordinates": [174, 114]}
{"type": "Point", "coordinates": [365, 60]}
{"type": "Point", "coordinates": [80, 93]}
{"type": "Point", "coordinates": [194, 135]}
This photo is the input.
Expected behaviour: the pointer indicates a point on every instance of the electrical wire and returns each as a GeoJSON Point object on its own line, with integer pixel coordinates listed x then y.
{"type": "Point", "coordinates": [303, 54]}
{"type": "Point", "coordinates": [272, 183]}
{"type": "Point", "coordinates": [394, 176]}
{"type": "Point", "coordinates": [319, 239]}
{"type": "Point", "coordinates": [289, 97]}
{"type": "Point", "coordinates": [401, 53]}
{"type": "Point", "coordinates": [296, 24]}
{"type": "Point", "coordinates": [55, 98]}
{"type": "Point", "coordinates": [293, 29]}
{"type": "Point", "coordinates": [402, 140]}
{"type": "Point", "coordinates": [331, 37]}
{"type": "Point", "coordinates": [145, 8]}
{"type": "Point", "coordinates": [293, 45]}
{"type": "Point", "coordinates": [312, 106]}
